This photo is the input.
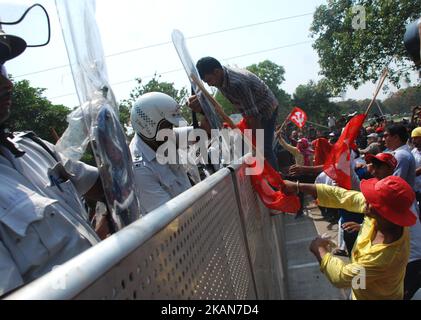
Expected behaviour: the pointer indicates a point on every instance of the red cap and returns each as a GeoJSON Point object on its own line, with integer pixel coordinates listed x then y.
{"type": "Point", "coordinates": [379, 130]}
{"type": "Point", "coordinates": [392, 198]}
{"type": "Point", "coordinates": [386, 158]}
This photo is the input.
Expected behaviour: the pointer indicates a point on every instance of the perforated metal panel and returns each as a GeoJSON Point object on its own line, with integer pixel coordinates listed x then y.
{"type": "Point", "coordinates": [262, 238]}
{"type": "Point", "coordinates": [215, 241]}
{"type": "Point", "coordinates": [200, 255]}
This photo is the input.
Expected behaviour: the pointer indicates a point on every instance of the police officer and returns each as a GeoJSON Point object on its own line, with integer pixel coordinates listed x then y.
{"type": "Point", "coordinates": [157, 182]}
{"type": "Point", "coordinates": [42, 219]}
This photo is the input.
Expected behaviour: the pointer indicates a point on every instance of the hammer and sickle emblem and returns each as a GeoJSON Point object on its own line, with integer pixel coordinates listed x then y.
{"type": "Point", "coordinates": [299, 118]}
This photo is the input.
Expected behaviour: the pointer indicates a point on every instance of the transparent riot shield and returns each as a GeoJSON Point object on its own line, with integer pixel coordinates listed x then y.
{"type": "Point", "coordinates": [96, 121]}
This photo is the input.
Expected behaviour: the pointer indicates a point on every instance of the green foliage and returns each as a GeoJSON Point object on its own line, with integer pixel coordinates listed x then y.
{"type": "Point", "coordinates": [360, 106]}
{"type": "Point", "coordinates": [351, 56]}
{"type": "Point", "coordinates": [273, 75]}
{"type": "Point", "coordinates": [32, 111]}
{"type": "Point", "coordinates": [270, 73]}
{"type": "Point", "coordinates": [314, 99]}
{"type": "Point", "coordinates": [403, 101]}
{"type": "Point", "coordinates": [154, 85]}
{"type": "Point", "coordinates": [226, 105]}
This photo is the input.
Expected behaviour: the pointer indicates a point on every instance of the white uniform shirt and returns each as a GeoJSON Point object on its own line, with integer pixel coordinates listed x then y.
{"type": "Point", "coordinates": [156, 183]}
{"type": "Point", "coordinates": [41, 225]}
{"type": "Point", "coordinates": [417, 155]}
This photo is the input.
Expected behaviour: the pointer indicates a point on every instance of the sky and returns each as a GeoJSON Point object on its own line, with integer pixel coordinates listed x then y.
{"type": "Point", "coordinates": [136, 38]}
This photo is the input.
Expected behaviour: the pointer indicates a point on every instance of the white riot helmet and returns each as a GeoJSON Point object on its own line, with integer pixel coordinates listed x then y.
{"type": "Point", "coordinates": [150, 110]}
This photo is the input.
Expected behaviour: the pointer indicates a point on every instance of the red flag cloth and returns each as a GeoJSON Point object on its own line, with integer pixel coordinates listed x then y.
{"type": "Point", "coordinates": [298, 117]}
{"type": "Point", "coordinates": [322, 148]}
{"type": "Point", "coordinates": [269, 184]}
{"type": "Point", "coordinates": [338, 163]}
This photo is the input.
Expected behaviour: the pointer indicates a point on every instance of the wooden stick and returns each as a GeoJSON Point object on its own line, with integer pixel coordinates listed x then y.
{"type": "Point", "coordinates": [319, 125]}
{"type": "Point", "coordinates": [379, 86]}
{"type": "Point", "coordinates": [215, 103]}
{"type": "Point", "coordinates": [223, 115]}
{"type": "Point", "coordinates": [54, 134]}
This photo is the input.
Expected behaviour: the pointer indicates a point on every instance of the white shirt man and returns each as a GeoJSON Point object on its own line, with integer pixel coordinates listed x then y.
{"type": "Point", "coordinates": [417, 155]}
{"type": "Point", "coordinates": [331, 122]}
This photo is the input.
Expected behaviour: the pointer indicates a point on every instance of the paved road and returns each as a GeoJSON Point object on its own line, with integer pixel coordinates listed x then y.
{"type": "Point", "coordinates": [305, 281]}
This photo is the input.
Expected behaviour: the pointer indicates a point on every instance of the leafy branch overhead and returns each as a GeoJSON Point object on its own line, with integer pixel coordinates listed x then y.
{"type": "Point", "coordinates": [353, 51]}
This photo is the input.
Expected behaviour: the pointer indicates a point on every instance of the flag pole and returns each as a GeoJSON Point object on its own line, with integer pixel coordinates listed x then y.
{"type": "Point", "coordinates": [223, 115]}
{"type": "Point", "coordinates": [379, 86]}
{"type": "Point", "coordinates": [215, 103]}
{"type": "Point", "coordinates": [319, 125]}
{"type": "Point", "coordinates": [279, 131]}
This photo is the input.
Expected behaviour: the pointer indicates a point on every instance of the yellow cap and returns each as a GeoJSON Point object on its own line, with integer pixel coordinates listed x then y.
{"type": "Point", "coordinates": [416, 132]}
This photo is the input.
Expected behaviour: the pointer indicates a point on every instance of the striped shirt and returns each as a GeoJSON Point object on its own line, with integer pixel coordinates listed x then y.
{"type": "Point", "coordinates": [250, 95]}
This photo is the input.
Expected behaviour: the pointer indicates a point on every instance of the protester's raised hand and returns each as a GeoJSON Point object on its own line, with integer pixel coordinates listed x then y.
{"type": "Point", "coordinates": [351, 226]}
{"type": "Point", "coordinates": [194, 104]}
{"type": "Point", "coordinates": [319, 243]}
{"type": "Point", "coordinates": [295, 170]}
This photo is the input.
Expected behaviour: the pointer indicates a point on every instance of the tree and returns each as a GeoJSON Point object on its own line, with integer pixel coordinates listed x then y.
{"type": "Point", "coordinates": [314, 99]}
{"type": "Point", "coordinates": [360, 106]}
{"type": "Point", "coordinates": [226, 105]}
{"type": "Point", "coordinates": [154, 85]}
{"type": "Point", "coordinates": [354, 48]}
{"type": "Point", "coordinates": [32, 111]}
{"type": "Point", "coordinates": [404, 100]}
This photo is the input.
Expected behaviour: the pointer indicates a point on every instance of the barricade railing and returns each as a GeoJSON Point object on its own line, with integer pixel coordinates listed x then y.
{"type": "Point", "coordinates": [214, 241]}
{"type": "Point", "coordinates": [264, 238]}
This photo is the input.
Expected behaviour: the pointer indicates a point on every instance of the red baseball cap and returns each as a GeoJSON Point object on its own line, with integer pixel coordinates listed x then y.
{"type": "Point", "coordinates": [379, 130]}
{"type": "Point", "coordinates": [386, 158]}
{"type": "Point", "coordinates": [392, 197]}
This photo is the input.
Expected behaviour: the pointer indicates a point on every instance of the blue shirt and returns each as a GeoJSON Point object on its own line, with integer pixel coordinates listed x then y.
{"type": "Point", "coordinates": [406, 164]}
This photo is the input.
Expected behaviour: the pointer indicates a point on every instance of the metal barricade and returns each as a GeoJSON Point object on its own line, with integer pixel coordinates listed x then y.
{"type": "Point", "coordinates": [264, 238]}
{"type": "Point", "coordinates": [190, 248]}
{"type": "Point", "coordinates": [214, 241]}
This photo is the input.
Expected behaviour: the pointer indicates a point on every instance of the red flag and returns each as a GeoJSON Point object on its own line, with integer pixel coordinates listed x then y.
{"type": "Point", "coordinates": [269, 184]}
{"type": "Point", "coordinates": [338, 163]}
{"type": "Point", "coordinates": [298, 117]}
{"type": "Point", "coordinates": [322, 148]}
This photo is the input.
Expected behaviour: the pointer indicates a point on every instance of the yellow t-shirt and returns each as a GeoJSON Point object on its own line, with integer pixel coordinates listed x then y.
{"type": "Point", "coordinates": [376, 271]}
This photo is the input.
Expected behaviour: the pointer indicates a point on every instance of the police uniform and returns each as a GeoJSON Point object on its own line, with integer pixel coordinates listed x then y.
{"type": "Point", "coordinates": [157, 183]}
{"type": "Point", "coordinates": [42, 220]}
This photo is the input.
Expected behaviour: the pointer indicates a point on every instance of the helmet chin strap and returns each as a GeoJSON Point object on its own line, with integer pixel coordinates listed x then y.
{"type": "Point", "coordinates": [152, 142]}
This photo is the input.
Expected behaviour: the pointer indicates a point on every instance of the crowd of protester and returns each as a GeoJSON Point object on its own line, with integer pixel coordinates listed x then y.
{"type": "Point", "coordinates": [43, 221]}
{"type": "Point", "coordinates": [383, 149]}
